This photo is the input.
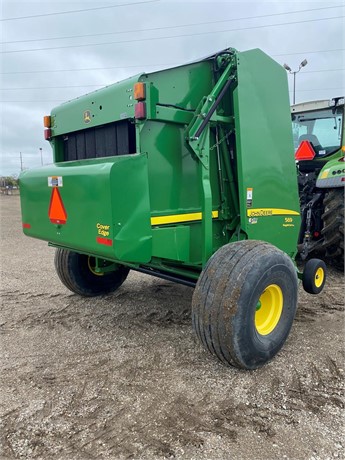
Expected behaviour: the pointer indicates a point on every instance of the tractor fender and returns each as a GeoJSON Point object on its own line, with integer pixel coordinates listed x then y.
{"type": "Point", "coordinates": [332, 175]}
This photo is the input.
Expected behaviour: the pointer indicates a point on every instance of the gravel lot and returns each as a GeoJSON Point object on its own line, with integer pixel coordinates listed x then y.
{"type": "Point", "coordinates": [123, 376]}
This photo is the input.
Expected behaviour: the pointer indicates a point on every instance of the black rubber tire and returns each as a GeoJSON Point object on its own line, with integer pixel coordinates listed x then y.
{"type": "Point", "coordinates": [333, 227]}
{"type": "Point", "coordinates": [74, 272]}
{"type": "Point", "coordinates": [309, 275]}
{"type": "Point", "coordinates": [226, 297]}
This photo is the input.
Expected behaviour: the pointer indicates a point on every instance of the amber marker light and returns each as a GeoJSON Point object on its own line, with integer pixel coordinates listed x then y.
{"type": "Point", "coordinates": [47, 121]}
{"type": "Point", "coordinates": [140, 91]}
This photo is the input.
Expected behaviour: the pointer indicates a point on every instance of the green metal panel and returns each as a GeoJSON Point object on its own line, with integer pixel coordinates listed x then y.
{"type": "Point", "coordinates": [114, 102]}
{"type": "Point", "coordinates": [173, 96]}
{"type": "Point", "coordinates": [171, 243]}
{"type": "Point", "coordinates": [266, 169]}
{"type": "Point", "coordinates": [182, 86]}
{"type": "Point", "coordinates": [99, 201]}
{"type": "Point", "coordinates": [173, 178]}
{"type": "Point", "coordinates": [131, 209]}
{"type": "Point", "coordinates": [172, 170]}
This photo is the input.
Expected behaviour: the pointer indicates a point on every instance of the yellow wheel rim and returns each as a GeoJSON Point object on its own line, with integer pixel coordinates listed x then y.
{"type": "Point", "coordinates": [269, 309]}
{"type": "Point", "coordinates": [319, 277]}
{"type": "Point", "coordinates": [92, 267]}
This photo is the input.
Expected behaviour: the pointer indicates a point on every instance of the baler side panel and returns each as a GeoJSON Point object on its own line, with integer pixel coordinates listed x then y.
{"type": "Point", "coordinates": [173, 173]}
{"type": "Point", "coordinates": [108, 215]}
{"type": "Point", "coordinates": [269, 203]}
{"type": "Point", "coordinates": [174, 184]}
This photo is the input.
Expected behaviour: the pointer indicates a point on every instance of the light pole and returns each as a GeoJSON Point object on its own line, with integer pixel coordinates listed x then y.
{"type": "Point", "coordinates": [41, 156]}
{"type": "Point", "coordinates": [288, 68]}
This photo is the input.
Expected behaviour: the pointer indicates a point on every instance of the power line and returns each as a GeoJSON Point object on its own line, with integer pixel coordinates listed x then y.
{"type": "Point", "coordinates": [66, 100]}
{"type": "Point", "coordinates": [32, 102]}
{"type": "Point", "coordinates": [172, 27]}
{"type": "Point", "coordinates": [58, 87]}
{"type": "Point", "coordinates": [103, 85]}
{"type": "Point", "coordinates": [78, 11]}
{"type": "Point", "coordinates": [171, 64]}
{"type": "Point", "coordinates": [317, 89]}
{"type": "Point", "coordinates": [172, 36]}
{"type": "Point", "coordinates": [90, 68]}
{"type": "Point", "coordinates": [307, 52]}
{"type": "Point", "coordinates": [325, 70]}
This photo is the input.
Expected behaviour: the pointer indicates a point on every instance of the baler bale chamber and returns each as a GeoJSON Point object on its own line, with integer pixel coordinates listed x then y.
{"type": "Point", "coordinates": [185, 174]}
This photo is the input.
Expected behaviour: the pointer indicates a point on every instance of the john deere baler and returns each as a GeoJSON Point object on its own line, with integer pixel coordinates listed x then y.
{"type": "Point", "coordinates": [185, 174]}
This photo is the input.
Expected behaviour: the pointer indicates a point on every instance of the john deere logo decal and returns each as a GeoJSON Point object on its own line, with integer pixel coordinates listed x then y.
{"type": "Point", "coordinates": [87, 116]}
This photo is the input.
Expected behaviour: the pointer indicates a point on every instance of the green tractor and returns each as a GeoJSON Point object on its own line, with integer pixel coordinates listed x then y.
{"type": "Point", "coordinates": [319, 140]}
{"type": "Point", "coordinates": [185, 174]}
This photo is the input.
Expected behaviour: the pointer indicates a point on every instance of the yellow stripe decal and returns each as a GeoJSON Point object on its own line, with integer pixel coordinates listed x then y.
{"type": "Point", "coordinates": [264, 212]}
{"type": "Point", "coordinates": [174, 219]}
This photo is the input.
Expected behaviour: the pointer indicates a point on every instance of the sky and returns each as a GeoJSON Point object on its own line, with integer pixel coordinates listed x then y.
{"type": "Point", "coordinates": [55, 51]}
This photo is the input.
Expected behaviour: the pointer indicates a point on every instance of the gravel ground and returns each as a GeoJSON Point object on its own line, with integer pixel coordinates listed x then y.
{"type": "Point", "coordinates": [123, 376]}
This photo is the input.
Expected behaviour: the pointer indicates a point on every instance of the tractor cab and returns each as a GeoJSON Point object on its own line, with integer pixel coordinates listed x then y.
{"type": "Point", "coordinates": [321, 123]}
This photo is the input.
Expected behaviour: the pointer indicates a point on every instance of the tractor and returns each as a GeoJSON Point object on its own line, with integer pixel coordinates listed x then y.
{"type": "Point", "coordinates": [319, 140]}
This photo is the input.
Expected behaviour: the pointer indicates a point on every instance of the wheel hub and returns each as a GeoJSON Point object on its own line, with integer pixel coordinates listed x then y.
{"type": "Point", "coordinates": [269, 309]}
{"type": "Point", "coordinates": [319, 277]}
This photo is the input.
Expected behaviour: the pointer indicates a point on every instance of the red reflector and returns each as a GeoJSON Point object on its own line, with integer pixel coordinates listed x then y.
{"type": "Point", "coordinates": [26, 225]}
{"type": "Point", "coordinates": [57, 213]}
{"type": "Point", "coordinates": [316, 234]}
{"type": "Point", "coordinates": [140, 110]}
{"type": "Point", "coordinates": [305, 151]}
{"type": "Point", "coordinates": [343, 179]}
{"type": "Point", "coordinates": [47, 134]}
{"type": "Point", "coordinates": [105, 241]}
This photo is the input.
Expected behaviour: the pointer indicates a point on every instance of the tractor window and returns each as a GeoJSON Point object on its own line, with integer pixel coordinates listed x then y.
{"type": "Point", "coordinates": [322, 128]}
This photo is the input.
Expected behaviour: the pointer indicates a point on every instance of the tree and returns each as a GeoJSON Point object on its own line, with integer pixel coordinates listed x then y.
{"type": "Point", "coordinates": [9, 181]}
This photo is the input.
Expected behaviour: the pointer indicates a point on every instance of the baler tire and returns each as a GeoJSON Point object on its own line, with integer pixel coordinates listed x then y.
{"type": "Point", "coordinates": [75, 273]}
{"type": "Point", "coordinates": [226, 298]}
{"type": "Point", "coordinates": [333, 227]}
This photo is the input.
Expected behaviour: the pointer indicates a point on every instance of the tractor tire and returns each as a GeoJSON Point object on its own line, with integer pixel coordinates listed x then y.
{"type": "Point", "coordinates": [333, 227]}
{"type": "Point", "coordinates": [244, 303]}
{"type": "Point", "coordinates": [76, 273]}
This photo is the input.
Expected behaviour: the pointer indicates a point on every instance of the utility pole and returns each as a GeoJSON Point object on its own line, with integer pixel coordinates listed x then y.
{"type": "Point", "coordinates": [41, 156]}
{"type": "Point", "coordinates": [21, 161]}
{"type": "Point", "coordinates": [288, 68]}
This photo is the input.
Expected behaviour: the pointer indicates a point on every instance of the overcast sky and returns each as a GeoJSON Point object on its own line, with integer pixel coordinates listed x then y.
{"type": "Point", "coordinates": [60, 54]}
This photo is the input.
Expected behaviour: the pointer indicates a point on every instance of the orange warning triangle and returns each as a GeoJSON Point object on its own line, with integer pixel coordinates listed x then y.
{"type": "Point", "coordinates": [305, 151]}
{"type": "Point", "coordinates": [57, 213]}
